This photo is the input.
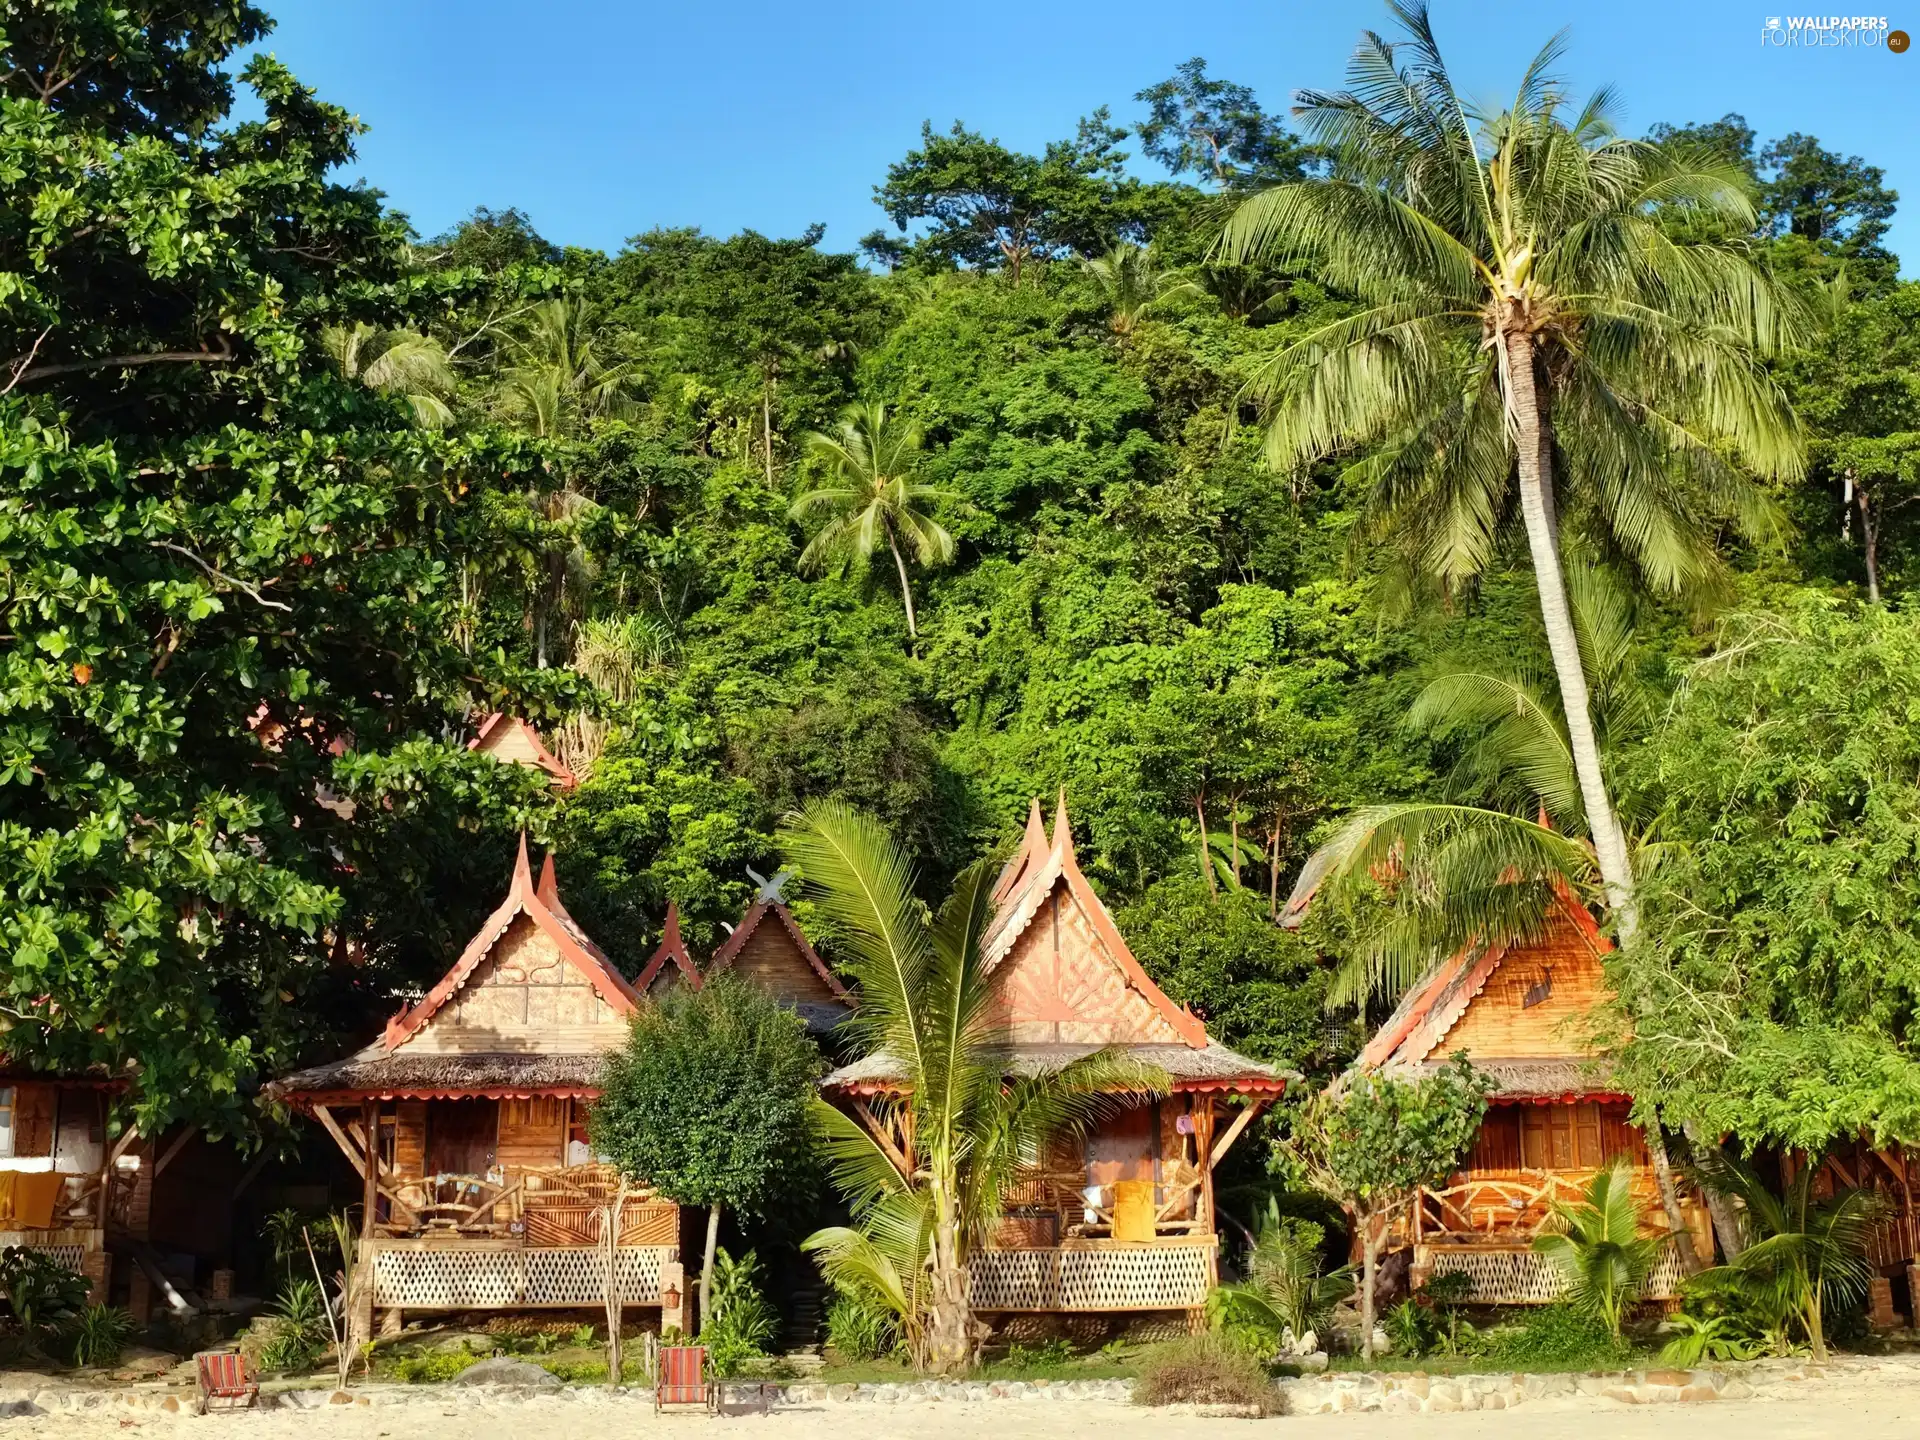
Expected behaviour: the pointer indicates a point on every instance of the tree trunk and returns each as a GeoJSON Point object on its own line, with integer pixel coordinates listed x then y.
{"type": "Point", "coordinates": [615, 1309]}
{"type": "Point", "coordinates": [1535, 466]}
{"type": "Point", "coordinates": [706, 1266]}
{"type": "Point", "coordinates": [949, 1314]}
{"type": "Point", "coordinates": [1369, 1270]}
{"type": "Point", "coordinates": [1726, 1220]}
{"type": "Point", "coordinates": [906, 590]}
{"type": "Point", "coordinates": [1670, 1200]}
{"type": "Point", "coordinates": [1206, 852]}
{"type": "Point", "coordinates": [1870, 533]}
{"type": "Point", "coordinates": [766, 422]}
{"type": "Point", "coordinates": [1233, 824]}
{"type": "Point", "coordinates": [1273, 872]}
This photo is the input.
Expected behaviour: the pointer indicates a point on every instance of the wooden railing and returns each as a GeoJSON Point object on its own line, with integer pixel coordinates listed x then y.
{"type": "Point", "coordinates": [1514, 1204]}
{"type": "Point", "coordinates": [1095, 1275]}
{"type": "Point", "coordinates": [1043, 1207]}
{"type": "Point", "coordinates": [561, 1206]}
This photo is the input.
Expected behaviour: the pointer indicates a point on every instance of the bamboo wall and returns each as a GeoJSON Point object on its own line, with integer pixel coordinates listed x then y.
{"type": "Point", "coordinates": [770, 959]}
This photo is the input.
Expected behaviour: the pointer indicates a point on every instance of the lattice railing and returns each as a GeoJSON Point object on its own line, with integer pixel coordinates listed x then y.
{"type": "Point", "coordinates": [1520, 1277]}
{"type": "Point", "coordinates": [489, 1278]}
{"type": "Point", "coordinates": [1121, 1277]}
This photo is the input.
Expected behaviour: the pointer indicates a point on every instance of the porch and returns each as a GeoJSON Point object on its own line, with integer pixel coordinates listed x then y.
{"type": "Point", "coordinates": [1173, 1272]}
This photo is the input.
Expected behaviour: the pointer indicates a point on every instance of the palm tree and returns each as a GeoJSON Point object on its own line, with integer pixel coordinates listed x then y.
{"type": "Point", "coordinates": [1598, 1247]}
{"type": "Point", "coordinates": [1131, 280]}
{"type": "Point", "coordinates": [1530, 335]}
{"type": "Point", "coordinates": [560, 374]}
{"type": "Point", "coordinates": [871, 499]}
{"type": "Point", "coordinates": [926, 1181]}
{"type": "Point", "coordinates": [400, 363]}
{"type": "Point", "coordinates": [1806, 1253]}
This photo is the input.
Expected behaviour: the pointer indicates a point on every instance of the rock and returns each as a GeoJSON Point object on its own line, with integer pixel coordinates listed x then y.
{"type": "Point", "coordinates": [1441, 1404]}
{"type": "Point", "coordinates": [1625, 1394]}
{"type": "Point", "coordinates": [339, 1397]}
{"type": "Point", "coordinates": [11, 1409]}
{"type": "Point", "coordinates": [464, 1343]}
{"type": "Point", "coordinates": [1314, 1363]}
{"type": "Point", "coordinates": [145, 1364]}
{"type": "Point", "coordinates": [504, 1371]}
{"type": "Point", "coordinates": [1736, 1389]}
{"type": "Point", "coordinates": [1675, 1378]}
{"type": "Point", "coordinates": [841, 1392]}
{"type": "Point", "coordinates": [1695, 1394]}
{"type": "Point", "coordinates": [1381, 1344]}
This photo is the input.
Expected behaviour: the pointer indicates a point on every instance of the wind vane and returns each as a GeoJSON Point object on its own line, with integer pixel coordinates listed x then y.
{"type": "Point", "coordinates": [769, 889]}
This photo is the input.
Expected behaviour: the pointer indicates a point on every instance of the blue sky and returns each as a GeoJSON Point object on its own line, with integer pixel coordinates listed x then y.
{"type": "Point", "coordinates": [602, 119]}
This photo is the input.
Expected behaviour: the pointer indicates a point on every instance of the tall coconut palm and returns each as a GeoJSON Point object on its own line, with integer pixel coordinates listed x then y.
{"type": "Point", "coordinates": [872, 500]}
{"type": "Point", "coordinates": [927, 1188]}
{"type": "Point", "coordinates": [1531, 338]}
{"type": "Point", "coordinates": [1130, 278]}
{"type": "Point", "coordinates": [400, 363]}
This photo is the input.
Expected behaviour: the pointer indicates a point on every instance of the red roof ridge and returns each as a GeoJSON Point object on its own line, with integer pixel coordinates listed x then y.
{"type": "Point", "coordinates": [723, 958]}
{"type": "Point", "coordinates": [671, 947]}
{"type": "Point", "coordinates": [523, 898]}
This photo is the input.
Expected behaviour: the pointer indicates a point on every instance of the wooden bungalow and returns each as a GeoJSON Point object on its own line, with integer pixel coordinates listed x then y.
{"type": "Point", "coordinates": [512, 740]}
{"type": "Point", "coordinates": [670, 964]}
{"type": "Point", "coordinates": [466, 1121]}
{"type": "Point", "coordinates": [768, 949]}
{"type": "Point", "coordinates": [1522, 1014]}
{"type": "Point", "coordinates": [1124, 1221]}
{"type": "Point", "coordinates": [58, 1168]}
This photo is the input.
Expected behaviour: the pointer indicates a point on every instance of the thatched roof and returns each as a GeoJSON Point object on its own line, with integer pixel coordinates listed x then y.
{"type": "Point", "coordinates": [1533, 1079]}
{"type": "Point", "coordinates": [409, 1075]}
{"type": "Point", "coordinates": [1213, 1068]}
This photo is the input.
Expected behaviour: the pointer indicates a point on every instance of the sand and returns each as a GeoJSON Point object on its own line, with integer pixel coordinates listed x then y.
{"type": "Point", "coordinates": [1868, 1406]}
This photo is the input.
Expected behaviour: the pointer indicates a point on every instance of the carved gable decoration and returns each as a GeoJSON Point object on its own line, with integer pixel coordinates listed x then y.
{"type": "Point", "coordinates": [529, 982]}
{"type": "Point", "coordinates": [511, 740]}
{"type": "Point", "coordinates": [768, 949]}
{"type": "Point", "coordinates": [1061, 972]}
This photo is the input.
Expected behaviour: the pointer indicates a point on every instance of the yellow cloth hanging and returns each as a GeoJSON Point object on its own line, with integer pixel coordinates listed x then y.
{"type": "Point", "coordinates": [7, 1179]}
{"type": "Point", "coordinates": [35, 1193]}
{"type": "Point", "coordinates": [1133, 1210]}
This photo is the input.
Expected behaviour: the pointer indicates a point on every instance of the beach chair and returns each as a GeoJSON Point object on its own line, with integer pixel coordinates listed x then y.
{"type": "Point", "coordinates": [226, 1376]}
{"type": "Point", "coordinates": [682, 1379]}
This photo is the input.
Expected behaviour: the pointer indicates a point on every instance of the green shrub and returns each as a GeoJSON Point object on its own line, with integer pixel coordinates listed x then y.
{"type": "Point", "coordinates": [1561, 1336]}
{"type": "Point", "coordinates": [298, 1334]}
{"type": "Point", "coordinates": [1285, 1290]}
{"type": "Point", "coordinates": [860, 1327]}
{"type": "Point", "coordinates": [1717, 1337]}
{"type": "Point", "coordinates": [1048, 1354]}
{"type": "Point", "coordinates": [433, 1365]}
{"type": "Point", "coordinates": [45, 1296]}
{"type": "Point", "coordinates": [1411, 1329]}
{"type": "Point", "coordinates": [100, 1334]}
{"type": "Point", "coordinates": [743, 1323]}
{"type": "Point", "coordinates": [1204, 1370]}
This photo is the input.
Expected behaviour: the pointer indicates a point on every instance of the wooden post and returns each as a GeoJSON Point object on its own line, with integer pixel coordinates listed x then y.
{"type": "Point", "coordinates": [370, 1128]}
{"type": "Point", "coordinates": [1203, 1146]}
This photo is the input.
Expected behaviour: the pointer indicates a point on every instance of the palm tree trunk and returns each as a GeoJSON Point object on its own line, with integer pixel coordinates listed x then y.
{"type": "Point", "coordinates": [1726, 1220]}
{"type": "Point", "coordinates": [1535, 465]}
{"type": "Point", "coordinates": [906, 590]}
{"type": "Point", "coordinates": [1670, 1200]}
{"type": "Point", "coordinates": [706, 1266]}
{"type": "Point", "coordinates": [950, 1314]}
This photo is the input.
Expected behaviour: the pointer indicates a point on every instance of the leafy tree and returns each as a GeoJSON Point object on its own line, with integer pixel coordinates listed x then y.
{"type": "Point", "coordinates": [1840, 204]}
{"type": "Point", "coordinates": [228, 696]}
{"type": "Point", "coordinates": [873, 499]}
{"type": "Point", "coordinates": [924, 1200]}
{"type": "Point", "coordinates": [1215, 129]}
{"type": "Point", "coordinates": [494, 240]}
{"type": "Point", "coordinates": [1372, 1142]}
{"type": "Point", "coordinates": [1526, 332]}
{"type": "Point", "coordinates": [1597, 1244]}
{"type": "Point", "coordinates": [992, 208]}
{"type": "Point", "coordinates": [709, 1101]}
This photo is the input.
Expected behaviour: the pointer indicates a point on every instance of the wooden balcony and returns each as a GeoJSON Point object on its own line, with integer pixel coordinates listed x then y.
{"type": "Point", "coordinates": [1045, 1208]}
{"type": "Point", "coordinates": [1511, 1274]}
{"type": "Point", "coordinates": [472, 1273]}
{"type": "Point", "coordinates": [559, 1208]}
{"type": "Point", "coordinates": [1094, 1275]}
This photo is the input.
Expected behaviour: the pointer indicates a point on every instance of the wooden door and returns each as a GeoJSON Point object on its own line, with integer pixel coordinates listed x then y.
{"type": "Point", "coordinates": [461, 1136]}
{"type": "Point", "coordinates": [1547, 1137]}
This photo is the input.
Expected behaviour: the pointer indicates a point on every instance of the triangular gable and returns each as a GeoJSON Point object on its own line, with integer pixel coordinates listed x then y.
{"type": "Point", "coordinates": [1461, 1004]}
{"type": "Point", "coordinates": [524, 898]}
{"type": "Point", "coordinates": [509, 738]}
{"type": "Point", "coordinates": [1027, 860]}
{"type": "Point", "coordinates": [669, 962]}
{"type": "Point", "coordinates": [779, 957]}
{"type": "Point", "coordinates": [1069, 977]}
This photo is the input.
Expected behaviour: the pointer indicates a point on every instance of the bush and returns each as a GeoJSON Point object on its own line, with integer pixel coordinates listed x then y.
{"type": "Point", "coordinates": [1411, 1329]}
{"type": "Point", "coordinates": [1204, 1370]}
{"type": "Point", "coordinates": [45, 1296]}
{"type": "Point", "coordinates": [297, 1333]}
{"type": "Point", "coordinates": [859, 1327]}
{"type": "Point", "coordinates": [743, 1323]}
{"type": "Point", "coordinates": [434, 1365]}
{"type": "Point", "coordinates": [100, 1334]}
{"type": "Point", "coordinates": [1560, 1336]}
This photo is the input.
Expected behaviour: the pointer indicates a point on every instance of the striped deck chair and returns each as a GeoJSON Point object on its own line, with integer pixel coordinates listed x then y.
{"type": "Point", "coordinates": [227, 1376]}
{"type": "Point", "coordinates": [683, 1378]}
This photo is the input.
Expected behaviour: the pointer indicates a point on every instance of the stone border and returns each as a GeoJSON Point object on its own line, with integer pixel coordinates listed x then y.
{"type": "Point", "coordinates": [1409, 1392]}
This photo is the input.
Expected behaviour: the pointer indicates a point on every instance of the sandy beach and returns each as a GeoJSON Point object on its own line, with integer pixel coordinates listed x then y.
{"type": "Point", "coordinates": [1860, 1406]}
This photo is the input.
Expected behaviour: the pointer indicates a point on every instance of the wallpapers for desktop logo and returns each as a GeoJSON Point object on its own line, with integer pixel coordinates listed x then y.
{"type": "Point", "coordinates": [1832, 32]}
